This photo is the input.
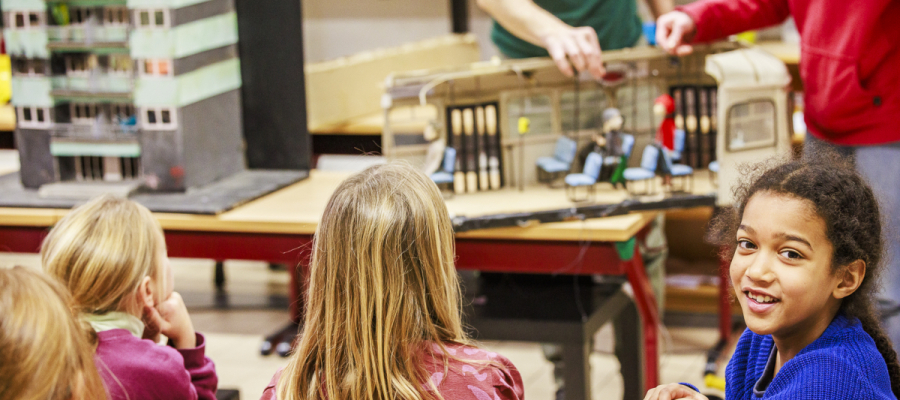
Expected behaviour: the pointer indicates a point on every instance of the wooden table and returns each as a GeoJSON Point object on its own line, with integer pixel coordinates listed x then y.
{"type": "Point", "coordinates": [279, 228]}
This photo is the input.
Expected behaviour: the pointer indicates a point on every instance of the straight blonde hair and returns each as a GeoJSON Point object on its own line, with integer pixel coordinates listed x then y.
{"type": "Point", "coordinates": [102, 250]}
{"type": "Point", "coordinates": [45, 352]}
{"type": "Point", "coordinates": [383, 288]}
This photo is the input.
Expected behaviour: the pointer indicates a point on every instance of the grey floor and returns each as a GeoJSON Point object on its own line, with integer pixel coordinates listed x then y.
{"type": "Point", "coordinates": [234, 334]}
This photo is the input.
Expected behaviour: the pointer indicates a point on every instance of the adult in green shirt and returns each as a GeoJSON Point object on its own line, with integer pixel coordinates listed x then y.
{"type": "Point", "coordinates": [571, 32]}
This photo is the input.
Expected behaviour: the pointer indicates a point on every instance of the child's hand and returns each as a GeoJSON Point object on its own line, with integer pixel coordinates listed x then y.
{"type": "Point", "coordinates": [172, 320]}
{"type": "Point", "coordinates": [673, 391]}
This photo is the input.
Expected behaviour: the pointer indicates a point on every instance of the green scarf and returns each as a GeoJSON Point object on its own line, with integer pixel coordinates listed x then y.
{"type": "Point", "coordinates": [115, 320]}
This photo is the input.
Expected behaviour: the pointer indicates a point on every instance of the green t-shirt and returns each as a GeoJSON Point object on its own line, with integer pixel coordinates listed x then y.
{"type": "Point", "coordinates": [616, 22]}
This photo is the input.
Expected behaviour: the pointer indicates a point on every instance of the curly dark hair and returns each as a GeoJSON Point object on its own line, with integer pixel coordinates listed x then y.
{"type": "Point", "coordinates": [843, 199]}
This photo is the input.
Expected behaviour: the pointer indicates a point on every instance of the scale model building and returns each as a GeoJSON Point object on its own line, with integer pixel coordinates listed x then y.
{"type": "Point", "coordinates": [134, 93]}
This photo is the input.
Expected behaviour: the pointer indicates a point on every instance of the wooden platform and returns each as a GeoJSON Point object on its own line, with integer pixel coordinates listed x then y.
{"type": "Point", "coordinates": [298, 208]}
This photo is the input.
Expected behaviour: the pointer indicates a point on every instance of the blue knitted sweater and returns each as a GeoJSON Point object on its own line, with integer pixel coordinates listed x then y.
{"type": "Point", "coordinates": [843, 363]}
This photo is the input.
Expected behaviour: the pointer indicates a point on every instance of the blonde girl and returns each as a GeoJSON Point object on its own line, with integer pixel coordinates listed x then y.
{"type": "Point", "coordinates": [45, 352]}
{"type": "Point", "coordinates": [111, 255]}
{"type": "Point", "coordinates": [383, 304]}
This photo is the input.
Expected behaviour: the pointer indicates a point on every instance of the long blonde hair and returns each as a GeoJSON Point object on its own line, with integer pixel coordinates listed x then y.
{"type": "Point", "coordinates": [45, 352]}
{"type": "Point", "coordinates": [102, 250]}
{"type": "Point", "coordinates": [382, 288]}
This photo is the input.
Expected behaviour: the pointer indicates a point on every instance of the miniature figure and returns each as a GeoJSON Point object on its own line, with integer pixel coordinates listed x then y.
{"type": "Point", "coordinates": [615, 149]}
{"type": "Point", "coordinates": [664, 107]}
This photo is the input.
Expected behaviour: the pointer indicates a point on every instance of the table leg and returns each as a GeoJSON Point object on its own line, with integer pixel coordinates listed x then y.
{"type": "Point", "coordinates": [282, 340]}
{"type": "Point", "coordinates": [629, 347]}
{"type": "Point", "coordinates": [576, 358]}
{"type": "Point", "coordinates": [220, 275]}
{"type": "Point", "coordinates": [646, 304]}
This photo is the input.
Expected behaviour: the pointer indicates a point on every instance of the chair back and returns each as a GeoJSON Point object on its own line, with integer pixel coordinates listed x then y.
{"type": "Point", "coordinates": [627, 144]}
{"type": "Point", "coordinates": [592, 165]}
{"type": "Point", "coordinates": [449, 160]}
{"type": "Point", "coordinates": [565, 150]}
{"type": "Point", "coordinates": [679, 141]}
{"type": "Point", "coordinates": [667, 158]}
{"type": "Point", "coordinates": [649, 157]}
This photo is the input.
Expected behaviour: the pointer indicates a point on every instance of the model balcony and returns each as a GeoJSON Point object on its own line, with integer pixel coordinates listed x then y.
{"type": "Point", "coordinates": [90, 132]}
{"type": "Point", "coordinates": [96, 85]}
{"type": "Point", "coordinates": [88, 36]}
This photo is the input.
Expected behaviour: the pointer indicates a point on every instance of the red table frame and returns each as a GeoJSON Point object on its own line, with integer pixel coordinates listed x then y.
{"type": "Point", "coordinates": [514, 256]}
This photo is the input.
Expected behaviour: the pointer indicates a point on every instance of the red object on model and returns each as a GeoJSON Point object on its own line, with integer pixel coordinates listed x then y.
{"type": "Point", "coordinates": [664, 107]}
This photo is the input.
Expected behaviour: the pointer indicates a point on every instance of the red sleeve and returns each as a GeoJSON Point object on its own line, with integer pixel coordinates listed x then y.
{"type": "Point", "coordinates": [201, 369]}
{"type": "Point", "coordinates": [717, 19]}
{"type": "Point", "coordinates": [270, 392]}
{"type": "Point", "coordinates": [508, 384]}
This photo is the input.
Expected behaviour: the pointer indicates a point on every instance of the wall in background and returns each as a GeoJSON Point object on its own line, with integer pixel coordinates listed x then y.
{"type": "Point", "coordinates": [337, 28]}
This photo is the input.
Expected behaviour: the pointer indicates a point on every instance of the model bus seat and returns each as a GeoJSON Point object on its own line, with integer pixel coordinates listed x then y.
{"type": "Point", "coordinates": [560, 162]}
{"type": "Point", "coordinates": [588, 177]}
{"type": "Point", "coordinates": [679, 145]}
{"type": "Point", "coordinates": [647, 170]}
{"type": "Point", "coordinates": [679, 170]}
{"type": "Point", "coordinates": [445, 175]}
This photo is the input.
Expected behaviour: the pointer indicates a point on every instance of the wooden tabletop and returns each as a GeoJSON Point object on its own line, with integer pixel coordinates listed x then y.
{"type": "Point", "coordinates": [298, 208]}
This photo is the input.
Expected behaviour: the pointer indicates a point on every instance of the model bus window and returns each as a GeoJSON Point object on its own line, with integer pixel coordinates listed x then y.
{"type": "Point", "coordinates": [751, 125]}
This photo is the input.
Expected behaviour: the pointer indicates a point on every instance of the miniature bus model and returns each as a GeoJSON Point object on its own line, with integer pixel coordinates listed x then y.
{"type": "Point", "coordinates": [477, 110]}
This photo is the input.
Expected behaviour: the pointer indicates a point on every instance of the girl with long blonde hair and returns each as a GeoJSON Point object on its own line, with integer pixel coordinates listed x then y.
{"type": "Point", "coordinates": [45, 352]}
{"type": "Point", "coordinates": [383, 304]}
{"type": "Point", "coordinates": [110, 254]}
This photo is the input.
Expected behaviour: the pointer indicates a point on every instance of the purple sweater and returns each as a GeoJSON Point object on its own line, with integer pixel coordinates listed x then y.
{"type": "Point", "coordinates": [148, 371]}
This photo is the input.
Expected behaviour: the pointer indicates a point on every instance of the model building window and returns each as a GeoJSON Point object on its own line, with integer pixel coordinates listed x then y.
{"type": "Point", "coordinates": [24, 19]}
{"type": "Point", "coordinates": [94, 168]}
{"type": "Point", "coordinates": [751, 125]}
{"type": "Point", "coordinates": [152, 18]}
{"type": "Point", "coordinates": [115, 15]}
{"type": "Point", "coordinates": [80, 15]}
{"type": "Point", "coordinates": [34, 117]}
{"type": "Point", "coordinates": [122, 111]}
{"type": "Point", "coordinates": [156, 67]}
{"type": "Point", "coordinates": [119, 64]}
{"type": "Point", "coordinates": [159, 118]}
{"type": "Point", "coordinates": [29, 66]}
{"type": "Point", "coordinates": [84, 113]}
{"type": "Point", "coordinates": [81, 64]}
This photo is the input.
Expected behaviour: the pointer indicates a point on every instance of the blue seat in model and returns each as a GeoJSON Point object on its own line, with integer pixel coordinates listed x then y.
{"type": "Point", "coordinates": [679, 170]}
{"type": "Point", "coordinates": [679, 145]}
{"type": "Point", "coordinates": [627, 144]}
{"type": "Point", "coordinates": [445, 175]}
{"type": "Point", "coordinates": [588, 177]}
{"type": "Point", "coordinates": [647, 170]}
{"type": "Point", "coordinates": [560, 162]}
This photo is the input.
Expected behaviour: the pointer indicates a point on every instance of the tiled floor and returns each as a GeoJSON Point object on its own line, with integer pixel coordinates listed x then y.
{"type": "Point", "coordinates": [234, 335]}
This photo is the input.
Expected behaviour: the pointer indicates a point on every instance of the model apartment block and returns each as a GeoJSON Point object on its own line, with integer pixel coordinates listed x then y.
{"type": "Point", "coordinates": [143, 92]}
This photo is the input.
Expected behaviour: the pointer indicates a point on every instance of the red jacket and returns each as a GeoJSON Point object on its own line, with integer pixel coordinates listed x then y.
{"type": "Point", "coordinates": [850, 59]}
{"type": "Point", "coordinates": [472, 373]}
{"type": "Point", "coordinates": [666, 134]}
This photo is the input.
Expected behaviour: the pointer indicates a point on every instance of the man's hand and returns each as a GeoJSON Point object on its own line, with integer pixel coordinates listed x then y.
{"type": "Point", "coordinates": [172, 320]}
{"type": "Point", "coordinates": [673, 391]}
{"type": "Point", "coordinates": [674, 30]}
{"type": "Point", "coordinates": [576, 45]}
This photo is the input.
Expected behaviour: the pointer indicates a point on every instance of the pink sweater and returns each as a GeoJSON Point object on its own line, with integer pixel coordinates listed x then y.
{"type": "Point", "coordinates": [499, 380]}
{"type": "Point", "coordinates": [147, 371]}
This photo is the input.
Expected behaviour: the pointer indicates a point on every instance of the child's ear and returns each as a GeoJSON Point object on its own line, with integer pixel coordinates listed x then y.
{"type": "Point", "coordinates": [145, 293]}
{"type": "Point", "coordinates": [851, 277]}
